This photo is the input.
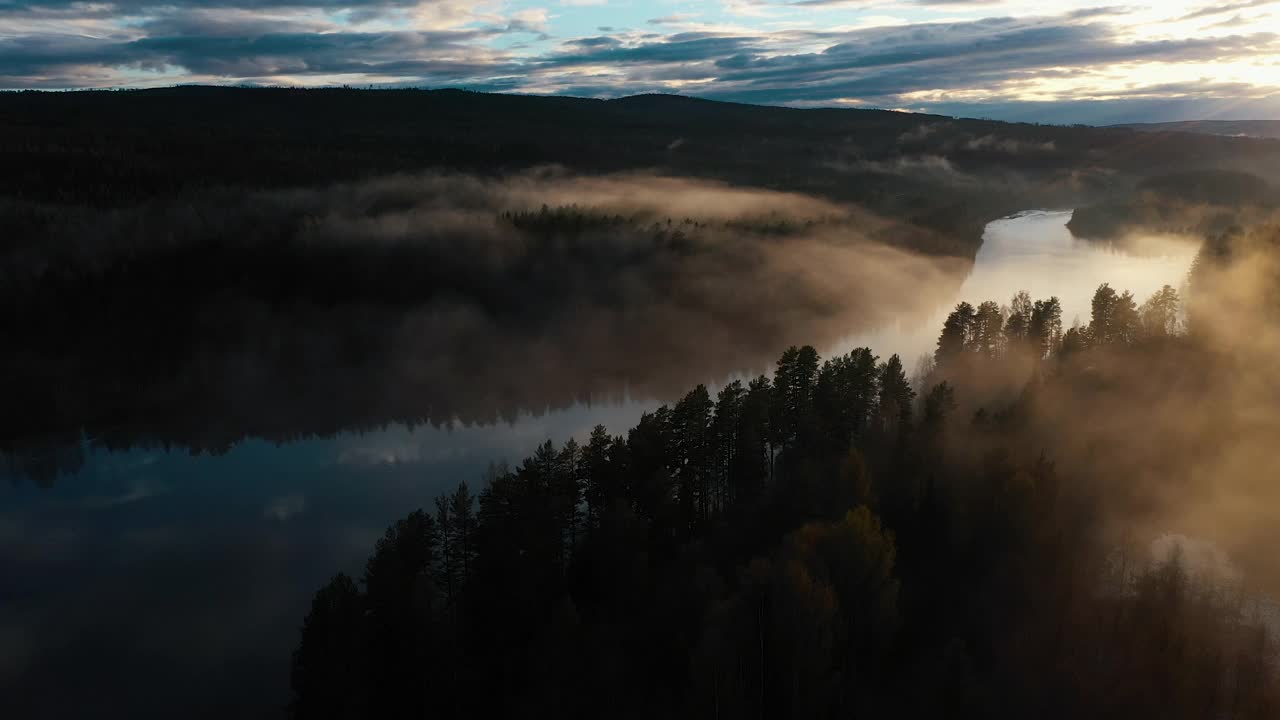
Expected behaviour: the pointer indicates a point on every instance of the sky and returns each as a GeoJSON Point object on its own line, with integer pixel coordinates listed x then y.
{"type": "Point", "coordinates": [1058, 62]}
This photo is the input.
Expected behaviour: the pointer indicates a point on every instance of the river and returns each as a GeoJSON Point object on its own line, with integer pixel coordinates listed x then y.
{"type": "Point", "coordinates": [154, 581]}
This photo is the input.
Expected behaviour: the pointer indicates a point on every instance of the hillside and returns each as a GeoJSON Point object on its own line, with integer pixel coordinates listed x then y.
{"type": "Point", "coordinates": [120, 148]}
{"type": "Point", "coordinates": [1229, 128]}
{"type": "Point", "coordinates": [1201, 203]}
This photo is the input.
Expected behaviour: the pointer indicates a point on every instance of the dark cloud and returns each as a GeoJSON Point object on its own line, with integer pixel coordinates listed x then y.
{"type": "Point", "coordinates": [310, 53]}
{"type": "Point", "coordinates": [133, 7]}
{"type": "Point", "coordinates": [588, 44]}
{"type": "Point", "coordinates": [202, 23]}
{"type": "Point", "coordinates": [884, 63]}
{"type": "Point", "coordinates": [881, 64]}
{"type": "Point", "coordinates": [678, 48]}
{"type": "Point", "coordinates": [218, 48]}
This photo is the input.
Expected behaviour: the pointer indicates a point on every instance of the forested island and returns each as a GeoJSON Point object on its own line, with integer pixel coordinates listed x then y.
{"type": "Point", "coordinates": [1193, 203]}
{"type": "Point", "coordinates": [825, 542]}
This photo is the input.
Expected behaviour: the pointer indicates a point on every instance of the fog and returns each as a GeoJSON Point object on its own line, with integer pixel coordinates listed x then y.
{"type": "Point", "coordinates": [632, 287]}
{"type": "Point", "coordinates": [433, 298]}
{"type": "Point", "coordinates": [1172, 439]}
{"type": "Point", "coordinates": [577, 408]}
{"type": "Point", "coordinates": [464, 300]}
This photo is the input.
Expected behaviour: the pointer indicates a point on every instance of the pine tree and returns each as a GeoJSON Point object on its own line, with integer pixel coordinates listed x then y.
{"type": "Point", "coordinates": [691, 455]}
{"type": "Point", "coordinates": [444, 527]}
{"type": "Point", "coordinates": [1045, 335]}
{"type": "Point", "coordinates": [793, 386]}
{"type": "Point", "coordinates": [1018, 324]}
{"type": "Point", "coordinates": [601, 484]}
{"type": "Point", "coordinates": [1159, 315]}
{"type": "Point", "coordinates": [567, 497]}
{"type": "Point", "coordinates": [328, 674]}
{"type": "Point", "coordinates": [896, 398]}
{"type": "Point", "coordinates": [725, 423]}
{"type": "Point", "coordinates": [461, 536]}
{"type": "Point", "coordinates": [400, 586]}
{"type": "Point", "coordinates": [988, 330]}
{"type": "Point", "coordinates": [957, 334]}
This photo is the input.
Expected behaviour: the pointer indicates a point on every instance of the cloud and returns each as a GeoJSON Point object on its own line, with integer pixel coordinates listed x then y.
{"type": "Point", "coordinates": [1212, 10]}
{"type": "Point", "coordinates": [220, 51]}
{"type": "Point", "coordinates": [140, 489]}
{"type": "Point", "coordinates": [134, 7]}
{"type": "Point", "coordinates": [686, 47]}
{"type": "Point", "coordinates": [284, 508]}
{"type": "Point", "coordinates": [673, 19]}
{"type": "Point", "coordinates": [886, 63]}
{"type": "Point", "coordinates": [994, 61]}
{"type": "Point", "coordinates": [874, 3]}
{"type": "Point", "coordinates": [382, 455]}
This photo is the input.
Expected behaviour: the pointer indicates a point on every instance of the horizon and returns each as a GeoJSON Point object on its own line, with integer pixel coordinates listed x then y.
{"type": "Point", "coordinates": [377, 88]}
{"type": "Point", "coordinates": [1075, 62]}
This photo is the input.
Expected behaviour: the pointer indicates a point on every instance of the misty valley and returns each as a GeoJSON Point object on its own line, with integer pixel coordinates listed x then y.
{"type": "Point", "coordinates": [1032, 249]}
{"type": "Point", "coordinates": [345, 404]}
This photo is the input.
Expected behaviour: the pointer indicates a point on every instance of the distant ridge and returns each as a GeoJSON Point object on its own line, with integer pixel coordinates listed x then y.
{"type": "Point", "coordinates": [1228, 128]}
{"type": "Point", "coordinates": [945, 177]}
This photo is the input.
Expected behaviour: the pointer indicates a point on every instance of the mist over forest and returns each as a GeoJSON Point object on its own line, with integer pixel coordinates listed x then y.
{"type": "Point", "coordinates": [433, 298]}
{"type": "Point", "coordinates": [1046, 515]}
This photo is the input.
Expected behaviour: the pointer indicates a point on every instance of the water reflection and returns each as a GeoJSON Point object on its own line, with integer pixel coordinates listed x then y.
{"type": "Point", "coordinates": [155, 578]}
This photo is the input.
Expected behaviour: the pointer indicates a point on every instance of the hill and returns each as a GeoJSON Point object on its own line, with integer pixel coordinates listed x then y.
{"type": "Point", "coordinates": [1229, 128]}
{"type": "Point", "coordinates": [1195, 203]}
{"type": "Point", "coordinates": [111, 149]}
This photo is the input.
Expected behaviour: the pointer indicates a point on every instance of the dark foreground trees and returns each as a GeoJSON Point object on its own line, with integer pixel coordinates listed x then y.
{"type": "Point", "coordinates": [821, 543]}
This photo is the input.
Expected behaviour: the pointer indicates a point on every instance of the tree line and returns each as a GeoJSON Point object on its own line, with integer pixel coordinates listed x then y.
{"type": "Point", "coordinates": [991, 330]}
{"type": "Point", "coordinates": [818, 543]}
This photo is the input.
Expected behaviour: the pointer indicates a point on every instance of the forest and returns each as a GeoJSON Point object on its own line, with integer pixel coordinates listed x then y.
{"type": "Point", "coordinates": [1196, 203]}
{"type": "Point", "coordinates": [117, 149]}
{"type": "Point", "coordinates": [830, 542]}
